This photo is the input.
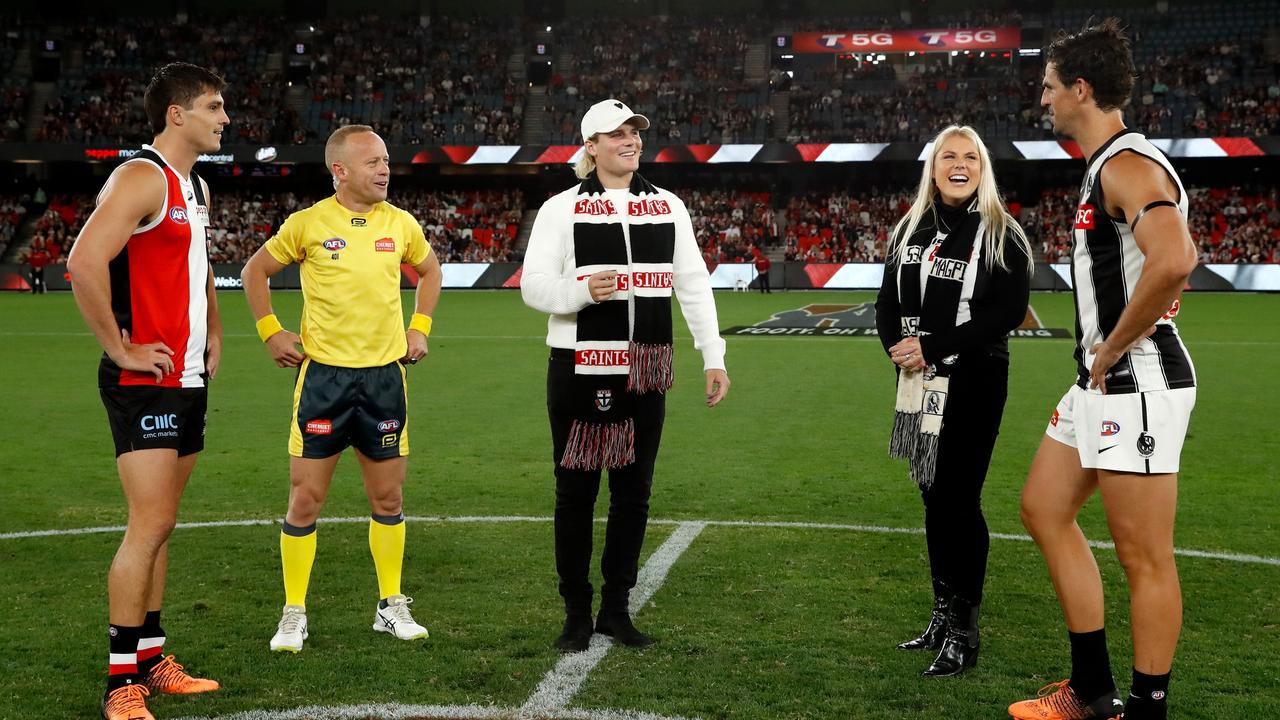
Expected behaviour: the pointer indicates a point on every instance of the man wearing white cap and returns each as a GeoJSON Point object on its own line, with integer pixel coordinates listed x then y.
{"type": "Point", "coordinates": [604, 259]}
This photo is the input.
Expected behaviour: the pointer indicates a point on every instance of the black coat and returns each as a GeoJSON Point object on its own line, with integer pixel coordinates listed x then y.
{"type": "Point", "coordinates": [998, 306]}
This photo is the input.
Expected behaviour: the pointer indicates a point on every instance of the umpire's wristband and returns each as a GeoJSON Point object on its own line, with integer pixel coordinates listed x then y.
{"type": "Point", "coordinates": [421, 323]}
{"type": "Point", "coordinates": [269, 325]}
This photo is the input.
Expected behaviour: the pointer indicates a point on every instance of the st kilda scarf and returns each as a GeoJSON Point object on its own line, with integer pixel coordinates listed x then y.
{"type": "Point", "coordinates": [623, 347]}
{"type": "Point", "coordinates": [922, 394]}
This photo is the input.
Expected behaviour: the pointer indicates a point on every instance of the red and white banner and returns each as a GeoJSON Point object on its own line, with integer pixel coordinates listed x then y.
{"type": "Point", "coordinates": [937, 40]}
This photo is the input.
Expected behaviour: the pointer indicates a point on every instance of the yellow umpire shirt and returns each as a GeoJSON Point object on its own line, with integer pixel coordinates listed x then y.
{"type": "Point", "coordinates": [351, 313]}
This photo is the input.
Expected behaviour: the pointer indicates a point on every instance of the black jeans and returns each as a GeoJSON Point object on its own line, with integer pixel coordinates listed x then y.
{"type": "Point", "coordinates": [576, 492]}
{"type": "Point", "coordinates": [955, 529]}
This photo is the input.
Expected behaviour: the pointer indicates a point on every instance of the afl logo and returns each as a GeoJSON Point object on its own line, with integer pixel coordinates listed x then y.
{"type": "Point", "coordinates": [387, 426]}
{"type": "Point", "coordinates": [334, 244]}
{"type": "Point", "coordinates": [1110, 427]}
{"type": "Point", "coordinates": [178, 215]}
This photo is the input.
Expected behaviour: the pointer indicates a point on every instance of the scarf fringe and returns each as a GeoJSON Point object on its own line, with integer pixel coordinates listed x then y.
{"type": "Point", "coordinates": [924, 464]}
{"type": "Point", "coordinates": [596, 446]}
{"type": "Point", "coordinates": [650, 369]}
{"type": "Point", "coordinates": [906, 431]}
{"type": "Point", "coordinates": [906, 419]}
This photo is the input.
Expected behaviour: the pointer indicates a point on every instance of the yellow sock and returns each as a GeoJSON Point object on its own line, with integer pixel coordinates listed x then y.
{"type": "Point", "coordinates": [297, 553]}
{"type": "Point", "coordinates": [386, 544]}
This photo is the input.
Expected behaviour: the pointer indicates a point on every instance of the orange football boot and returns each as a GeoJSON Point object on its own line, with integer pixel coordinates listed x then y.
{"type": "Point", "coordinates": [1057, 701]}
{"type": "Point", "coordinates": [169, 678]}
{"type": "Point", "coordinates": [126, 703]}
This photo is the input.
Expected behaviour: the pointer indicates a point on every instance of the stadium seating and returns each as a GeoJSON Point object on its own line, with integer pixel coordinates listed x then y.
{"type": "Point", "coordinates": [461, 81]}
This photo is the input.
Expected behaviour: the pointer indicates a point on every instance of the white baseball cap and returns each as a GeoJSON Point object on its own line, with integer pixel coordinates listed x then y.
{"type": "Point", "coordinates": [609, 115]}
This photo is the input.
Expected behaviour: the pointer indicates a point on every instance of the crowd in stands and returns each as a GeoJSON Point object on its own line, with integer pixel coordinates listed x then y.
{"type": "Point", "coordinates": [99, 99]}
{"type": "Point", "coordinates": [1229, 224]}
{"type": "Point", "coordinates": [462, 226]}
{"type": "Point", "coordinates": [843, 225]}
{"type": "Point", "coordinates": [1219, 89]}
{"type": "Point", "coordinates": [1046, 225]}
{"type": "Point", "coordinates": [55, 231]}
{"type": "Point", "coordinates": [685, 74]}
{"type": "Point", "coordinates": [731, 226]}
{"type": "Point", "coordinates": [1236, 224]}
{"type": "Point", "coordinates": [12, 212]}
{"type": "Point", "coordinates": [461, 81]}
{"type": "Point", "coordinates": [441, 83]}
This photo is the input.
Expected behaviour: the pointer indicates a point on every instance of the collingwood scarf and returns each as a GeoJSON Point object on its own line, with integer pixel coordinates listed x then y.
{"type": "Point", "coordinates": [922, 394]}
{"type": "Point", "coordinates": [623, 347]}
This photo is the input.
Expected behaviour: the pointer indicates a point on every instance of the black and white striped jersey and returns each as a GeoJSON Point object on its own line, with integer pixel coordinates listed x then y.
{"type": "Point", "coordinates": [1105, 266]}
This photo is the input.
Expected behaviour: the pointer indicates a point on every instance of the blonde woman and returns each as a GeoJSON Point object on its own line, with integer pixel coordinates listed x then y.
{"type": "Point", "coordinates": [957, 281]}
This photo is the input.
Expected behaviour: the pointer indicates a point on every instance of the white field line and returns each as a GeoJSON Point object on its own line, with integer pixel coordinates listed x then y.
{"type": "Point", "coordinates": [875, 529]}
{"type": "Point", "coordinates": [436, 712]}
{"type": "Point", "coordinates": [562, 683]}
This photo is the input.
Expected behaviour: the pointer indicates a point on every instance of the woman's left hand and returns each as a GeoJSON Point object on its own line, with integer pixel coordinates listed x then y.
{"type": "Point", "coordinates": [906, 354]}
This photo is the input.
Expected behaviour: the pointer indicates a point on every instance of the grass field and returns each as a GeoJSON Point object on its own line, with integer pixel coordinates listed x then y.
{"type": "Point", "coordinates": [754, 622]}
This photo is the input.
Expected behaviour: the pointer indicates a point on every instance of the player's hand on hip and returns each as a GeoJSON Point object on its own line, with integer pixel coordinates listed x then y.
{"type": "Point", "coordinates": [602, 285]}
{"type": "Point", "coordinates": [284, 347]}
{"type": "Point", "coordinates": [154, 358]}
{"type": "Point", "coordinates": [417, 343]}
{"type": "Point", "coordinates": [1104, 358]}
{"type": "Point", "coordinates": [717, 386]}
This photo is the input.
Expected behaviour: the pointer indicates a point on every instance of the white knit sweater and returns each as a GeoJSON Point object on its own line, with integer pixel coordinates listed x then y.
{"type": "Point", "coordinates": [547, 282]}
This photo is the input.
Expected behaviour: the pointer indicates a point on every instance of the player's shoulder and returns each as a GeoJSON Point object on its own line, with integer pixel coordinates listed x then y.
{"type": "Point", "coordinates": [135, 182]}
{"type": "Point", "coordinates": [1132, 172]}
{"type": "Point", "coordinates": [139, 171]}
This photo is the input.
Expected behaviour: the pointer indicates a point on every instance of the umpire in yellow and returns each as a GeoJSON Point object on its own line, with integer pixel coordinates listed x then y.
{"type": "Point", "coordinates": [350, 389]}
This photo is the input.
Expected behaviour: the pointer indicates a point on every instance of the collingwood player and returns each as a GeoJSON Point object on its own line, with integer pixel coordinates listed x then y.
{"type": "Point", "coordinates": [1119, 429]}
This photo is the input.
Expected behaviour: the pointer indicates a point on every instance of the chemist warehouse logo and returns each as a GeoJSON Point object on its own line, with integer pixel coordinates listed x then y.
{"type": "Point", "coordinates": [856, 321]}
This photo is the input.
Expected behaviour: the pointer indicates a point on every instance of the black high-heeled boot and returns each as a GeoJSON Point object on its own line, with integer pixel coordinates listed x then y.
{"type": "Point", "coordinates": [960, 646]}
{"type": "Point", "coordinates": [931, 638]}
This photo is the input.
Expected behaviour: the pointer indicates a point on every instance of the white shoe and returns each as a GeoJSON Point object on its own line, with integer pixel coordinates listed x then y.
{"type": "Point", "coordinates": [291, 631]}
{"type": "Point", "coordinates": [395, 619]}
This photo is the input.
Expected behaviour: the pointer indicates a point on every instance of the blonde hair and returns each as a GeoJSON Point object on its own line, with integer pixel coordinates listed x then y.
{"type": "Point", "coordinates": [587, 163]}
{"type": "Point", "coordinates": [337, 141]}
{"type": "Point", "coordinates": [997, 222]}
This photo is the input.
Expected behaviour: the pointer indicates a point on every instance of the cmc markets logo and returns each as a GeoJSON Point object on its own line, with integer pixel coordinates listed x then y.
{"type": "Point", "coordinates": [838, 320]}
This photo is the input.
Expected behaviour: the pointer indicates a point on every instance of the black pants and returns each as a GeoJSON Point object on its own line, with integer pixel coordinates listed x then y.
{"type": "Point", "coordinates": [764, 282]}
{"type": "Point", "coordinates": [37, 280]}
{"type": "Point", "coordinates": [576, 492]}
{"type": "Point", "coordinates": [955, 529]}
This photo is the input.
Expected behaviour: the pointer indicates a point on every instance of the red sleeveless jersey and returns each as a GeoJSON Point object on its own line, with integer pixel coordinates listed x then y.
{"type": "Point", "coordinates": [159, 282]}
